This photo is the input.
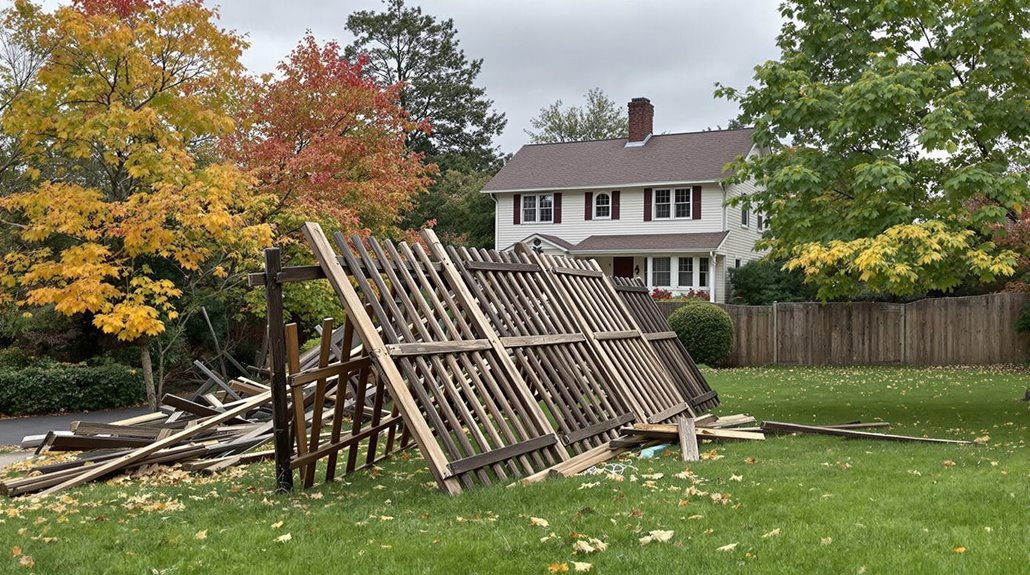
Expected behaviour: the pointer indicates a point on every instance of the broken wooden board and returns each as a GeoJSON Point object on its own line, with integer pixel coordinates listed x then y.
{"type": "Point", "coordinates": [688, 440]}
{"type": "Point", "coordinates": [671, 432]}
{"type": "Point", "coordinates": [799, 428]}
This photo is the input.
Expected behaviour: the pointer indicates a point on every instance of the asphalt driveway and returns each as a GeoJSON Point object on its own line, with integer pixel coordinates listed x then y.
{"type": "Point", "coordinates": [13, 430]}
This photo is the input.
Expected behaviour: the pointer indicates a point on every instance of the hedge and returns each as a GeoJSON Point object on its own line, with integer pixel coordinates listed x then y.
{"type": "Point", "coordinates": [705, 329]}
{"type": "Point", "coordinates": [52, 387]}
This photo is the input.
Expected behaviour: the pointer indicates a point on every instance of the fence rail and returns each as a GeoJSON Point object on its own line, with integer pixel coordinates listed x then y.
{"type": "Point", "coordinates": [975, 330]}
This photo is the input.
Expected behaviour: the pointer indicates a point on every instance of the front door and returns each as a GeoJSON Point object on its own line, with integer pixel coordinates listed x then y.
{"type": "Point", "coordinates": [622, 267]}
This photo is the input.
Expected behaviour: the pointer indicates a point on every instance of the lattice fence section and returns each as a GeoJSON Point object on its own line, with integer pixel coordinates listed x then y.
{"type": "Point", "coordinates": [666, 344]}
{"type": "Point", "coordinates": [612, 331]}
{"type": "Point", "coordinates": [472, 414]}
{"type": "Point", "coordinates": [546, 343]}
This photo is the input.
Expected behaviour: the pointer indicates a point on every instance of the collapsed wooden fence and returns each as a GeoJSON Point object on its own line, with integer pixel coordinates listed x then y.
{"type": "Point", "coordinates": [497, 366]}
{"type": "Point", "coordinates": [974, 330]}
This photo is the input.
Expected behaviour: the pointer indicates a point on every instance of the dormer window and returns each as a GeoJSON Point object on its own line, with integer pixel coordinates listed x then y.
{"type": "Point", "coordinates": [602, 206]}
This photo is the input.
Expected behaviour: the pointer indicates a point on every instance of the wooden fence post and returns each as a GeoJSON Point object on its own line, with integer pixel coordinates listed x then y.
{"type": "Point", "coordinates": [277, 349]}
{"type": "Point", "coordinates": [775, 336]}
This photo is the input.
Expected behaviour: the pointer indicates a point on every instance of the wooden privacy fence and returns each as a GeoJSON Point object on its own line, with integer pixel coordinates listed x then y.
{"type": "Point", "coordinates": [975, 330]}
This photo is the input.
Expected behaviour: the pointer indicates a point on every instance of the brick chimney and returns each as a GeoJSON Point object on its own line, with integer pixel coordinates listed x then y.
{"type": "Point", "coordinates": [641, 120]}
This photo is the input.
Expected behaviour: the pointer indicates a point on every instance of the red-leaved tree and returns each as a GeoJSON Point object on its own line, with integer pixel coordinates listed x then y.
{"type": "Point", "coordinates": [328, 144]}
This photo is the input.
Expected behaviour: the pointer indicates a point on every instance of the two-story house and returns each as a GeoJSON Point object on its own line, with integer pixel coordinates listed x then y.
{"type": "Point", "coordinates": [648, 205]}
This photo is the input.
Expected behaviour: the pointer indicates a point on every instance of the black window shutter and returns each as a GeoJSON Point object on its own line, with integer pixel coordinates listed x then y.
{"type": "Point", "coordinates": [615, 205]}
{"type": "Point", "coordinates": [517, 217]}
{"type": "Point", "coordinates": [557, 208]}
{"type": "Point", "coordinates": [588, 206]}
{"type": "Point", "coordinates": [695, 208]}
{"type": "Point", "coordinates": [647, 204]}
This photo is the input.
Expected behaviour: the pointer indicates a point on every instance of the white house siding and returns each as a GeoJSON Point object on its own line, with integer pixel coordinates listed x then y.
{"type": "Point", "coordinates": [574, 228]}
{"type": "Point", "coordinates": [715, 216]}
{"type": "Point", "coordinates": [740, 243]}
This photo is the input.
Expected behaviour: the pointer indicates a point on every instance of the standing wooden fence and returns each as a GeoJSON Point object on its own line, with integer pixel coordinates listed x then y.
{"type": "Point", "coordinates": [976, 330]}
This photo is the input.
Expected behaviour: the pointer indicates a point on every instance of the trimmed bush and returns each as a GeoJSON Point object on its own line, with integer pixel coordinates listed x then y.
{"type": "Point", "coordinates": [706, 329]}
{"type": "Point", "coordinates": [53, 387]}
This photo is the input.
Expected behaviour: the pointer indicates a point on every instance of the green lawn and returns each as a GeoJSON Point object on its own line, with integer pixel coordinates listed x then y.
{"type": "Point", "coordinates": [789, 505]}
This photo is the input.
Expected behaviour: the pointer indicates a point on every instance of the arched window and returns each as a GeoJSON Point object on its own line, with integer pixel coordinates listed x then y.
{"type": "Point", "coordinates": [602, 206]}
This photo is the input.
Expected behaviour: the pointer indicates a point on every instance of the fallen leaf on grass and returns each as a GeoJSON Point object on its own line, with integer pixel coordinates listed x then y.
{"type": "Point", "coordinates": [948, 463]}
{"type": "Point", "coordinates": [201, 535]}
{"type": "Point", "coordinates": [736, 477]}
{"type": "Point", "coordinates": [539, 522]}
{"type": "Point", "coordinates": [982, 439]}
{"type": "Point", "coordinates": [959, 549]}
{"type": "Point", "coordinates": [277, 524]}
{"type": "Point", "coordinates": [558, 568]}
{"type": "Point", "coordinates": [826, 540]}
{"type": "Point", "coordinates": [15, 551]}
{"type": "Point", "coordinates": [750, 460]}
{"type": "Point", "coordinates": [772, 533]}
{"type": "Point", "coordinates": [26, 561]}
{"type": "Point", "coordinates": [711, 455]}
{"type": "Point", "coordinates": [589, 546]}
{"type": "Point", "coordinates": [581, 567]}
{"type": "Point", "coordinates": [727, 547]}
{"type": "Point", "coordinates": [658, 535]}
{"type": "Point", "coordinates": [283, 538]}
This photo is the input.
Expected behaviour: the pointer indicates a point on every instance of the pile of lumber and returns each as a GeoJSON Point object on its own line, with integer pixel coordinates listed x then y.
{"type": "Point", "coordinates": [198, 436]}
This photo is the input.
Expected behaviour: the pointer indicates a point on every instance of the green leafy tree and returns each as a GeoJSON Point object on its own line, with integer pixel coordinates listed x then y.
{"type": "Point", "coordinates": [460, 214]}
{"type": "Point", "coordinates": [762, 282]}
{"type": "Point", "coordinates": [599, 119]}
{"type": "Point", "coordinates": [897, 139]}
{"type": "Point", "coordinates": [422, 54]}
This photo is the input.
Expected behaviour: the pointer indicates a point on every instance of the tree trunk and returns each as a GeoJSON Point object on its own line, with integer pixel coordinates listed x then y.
{"type": "Point", "coordinates": [148, 374]}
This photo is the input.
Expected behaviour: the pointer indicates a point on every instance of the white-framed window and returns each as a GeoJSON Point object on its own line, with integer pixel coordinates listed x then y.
{"type": "Point", "coordinates": [537, 208]}
{"type": "Point", "coordinates": [661, 272]}
{"type": "Point", "coordinates": [763, 222]}
{"type": "Point", "coordinates": [737, 263]}
{"type": "Point", "coordinates": [702, 272]}
{"type": "Point", "coordinates": [662, 204]}
{"type": "Point", "coordinates": [686, 271]}
{"type": "Point", "coordinates": [670, 204]}
{"type": "Point", "coordinates": [682, 208]}
{"type": "Point", "coordinates": [745, 217]}
{"type": "Point", "coordinates": [602, 206]}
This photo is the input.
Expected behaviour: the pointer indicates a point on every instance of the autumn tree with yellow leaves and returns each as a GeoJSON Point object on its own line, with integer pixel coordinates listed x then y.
{"type": "Point", "coordinates": [125, 205]}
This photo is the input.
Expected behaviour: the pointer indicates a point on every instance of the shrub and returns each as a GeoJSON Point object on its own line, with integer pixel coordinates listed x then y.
{"type": "Point", "coordinates": [52, 387]}
{"type": "Point", "coordinates": [706, 329]}
{"type": "Point", "coordinates": [762, 282]}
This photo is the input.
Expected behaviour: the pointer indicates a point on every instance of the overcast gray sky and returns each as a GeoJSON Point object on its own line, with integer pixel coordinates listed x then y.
{"type": "Point", "coordinates": [537, 51]}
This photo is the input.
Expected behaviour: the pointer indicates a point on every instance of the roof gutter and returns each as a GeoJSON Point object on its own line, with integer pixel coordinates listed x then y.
{"type": "Point", "coordinates": [604, 186]}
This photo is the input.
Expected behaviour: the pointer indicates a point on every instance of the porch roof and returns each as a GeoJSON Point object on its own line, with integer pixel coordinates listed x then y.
{"type": "Point", "coordinates": [650, 243]}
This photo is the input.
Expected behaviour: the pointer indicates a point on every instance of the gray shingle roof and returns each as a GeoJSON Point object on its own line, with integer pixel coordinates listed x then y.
{"type": "Point", "coordinates": [705, 241]}
{"type": "Point", "coordinates": [689, 157]}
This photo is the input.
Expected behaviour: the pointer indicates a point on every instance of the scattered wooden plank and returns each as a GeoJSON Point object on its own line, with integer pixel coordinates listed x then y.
{"type": "Point", "coordinates": [671, 432]}
{"type": "Point", "coordinates": [731, 421]}
{"type": "Point", "coordinates": [799, 428]}
{"type": "Point", "coordinates": [95, 472]}
{"type": "Point", "coordinates": [688, 439]}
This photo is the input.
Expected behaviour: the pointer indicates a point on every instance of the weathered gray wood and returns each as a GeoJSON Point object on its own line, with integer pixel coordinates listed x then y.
{"type": "Point", "coordinates": [437, 347]}
{"type": "Point", "coordinates": [141, 453]}
{"type": "Point", "coordinates": [798, 428]}
{"type": "Point", "coordinates": [688, 440]}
